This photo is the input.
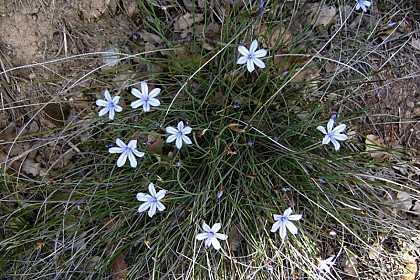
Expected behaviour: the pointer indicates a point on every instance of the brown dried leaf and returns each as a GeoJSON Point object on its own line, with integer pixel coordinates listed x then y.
{"type": "Point", "coordinates": [404, 200]}
{"type": "Point", "coordinates": [213, 31]}
{"type": "Point", "coordinates": [186, 21]}
{"type": "Point", "coordinates": [275, 36]}
{"type": "Point", "coordinates": [235, 237]}
{"type": "Point", "coordinates": [155, 144]}
{"type": "Point", "coordinates": [236, 127]}
{"type": "Point", "coordinates": [119, 267]}
{"type": "Point", "coordinates": [375, 143]}
{"type": "Point", "coordinates": [201, 132]}
{"type": "Point", "coordinates": [324, 16]}
{"type": "Point", "coordinates": [150, 37]}
{"type": "Point", "coordinates": [349, 266]}
{"type": "Point", "coordinates": [410, 270]}
{"type": "Point", "coordinates": [415, 43]}
{"type": "Point", "coordinates": [29, 166]}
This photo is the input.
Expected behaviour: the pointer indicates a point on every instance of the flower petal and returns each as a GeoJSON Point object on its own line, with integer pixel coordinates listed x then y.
{"type": "Point", "coordinates": [171, 130]}
{"type": "Point", "coordinates": [253, 47]}
{"type": "Point", "coordinates": [330, 125]}
{"type": "Point", "coordinates": [244, 51]}
{"type": "Point", "coordinates": [283, 232]}
{"type": "Point", "coordinates": [154, 92]}
{"type": "Point", "coordinates": [171, 138]}
{"type": "Point", "coordinates": [143, 197]}
{"type": "Point", "coordinates": [186, 130]}
{"type": "Point", "coordinates": [186, 139]}
{"type": "Point", "coordinates": [241, 60]}
{"type": "Point", "coordinates": [250, 65]}
{"type": "Point", "coordinates": [276, 226]}
{"type": "Point", "coordinates": [180, 126]}
{"type": "Point", "coordinates": [152, 209]}
{"type": "Point", "coordinates": [101, 102]}
{"type": "Point", "coordinates": [136, 104]}
{"type": "Point", "coordinates": [336, 144]}
{"type": "Point", "coordinates": [154, 101]}
{"type": "Point", "coordinates": [146, 107]}
{"type": "Point", "coordinates": [120, 143]}
{"type": "Point", "coordinates": [144, 88]}
{"type": "Point", "coordinates": [103, 111]}
{"type": "Point", "coordinates": [341, 137]}
{"type": "Point", "coordinates": [322, 129]}
{"type": "Point", "coordinates": [260, 53]}
{"type": "Point", "coordinates": [160, 206]}
{"type": "Point", "coordinates": [132, 159]}
{"type": "Point", "coordinates": [161, 194]}
{"type": "Point", "coordinates": [178, 142]}
{"type": "Point", "coordinates": [216, 227]}
{"type": "Point", "coordinates": [136, 93]}
{"type": "Point", "coordinates": [116, 99]}
{"type": "Point", "coordinates": [287, 212]}
{"type": "Point", "coordinates": [122, 159]}
{"type": "Point", "coordinates": [259, 62]}
{"type": "Point", "coordinates": [221, 236]}
{"type": "Point", "coordinates": [152, 190]}
{"type": "Point", "coordinates": [137, 153]}
{"type": "Point", "coordinates": [206, 227]}
{"type": "Point", "coordinates": [291, 227]}
{"type": "Point", "coordinates": [202, 236]}
{"type": "Point", "coordinates": [295, 217]}
{"type": "Point", "coordinates": [326, 139]}
{"type": "Point", "coordinates": [277, 217]}
{"type": "Point", "coordinates": [215, 243]}
{"type": "Point", "coordinates": [115, 150]}
{"type": "Point", "coordinates": [118, 108]}
{"type": "Point", "coordinates": [132, 144]}
{"type": "Point", "coordinates": [111, 114]}
{"type": "Point", "coordinates": [208, 242]}
{"type": "Point", "coordinates": [107, 95]}
{"type": "Point", "coordinates": [340, 128]}
{"type": "Point", "coordinates": [144, 207]}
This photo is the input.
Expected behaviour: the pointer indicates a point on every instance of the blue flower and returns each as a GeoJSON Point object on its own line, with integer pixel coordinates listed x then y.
{"type": "Point", "coordinates": [179, 134]}
{"type": "Point", "coordinates": [110, 104]}
{"type": "Point", "coordinates": [363, 4]}
{"type": "Point", "coordinates": [251, 56]}
{"type": "Point", "coordinates": [146, 99]}
{"type": "Point", "coordinates": [211, 235]}
{"type": "Point", "coordinates": [284, 221]}
{"type": "Point", "coordinates": [152, 200]}
{"type": "Point", "coordinates": [332, 135]}
{"type": "Point", "coordinates": [126, 151]}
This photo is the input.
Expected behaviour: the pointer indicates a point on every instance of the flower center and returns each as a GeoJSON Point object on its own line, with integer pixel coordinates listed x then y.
{"type": "Point", "coordinates": [250, 56]}
{"type": "Point", "coordinates": [127, 150]}
{"type": "Point", "coordinates": [179, 134]}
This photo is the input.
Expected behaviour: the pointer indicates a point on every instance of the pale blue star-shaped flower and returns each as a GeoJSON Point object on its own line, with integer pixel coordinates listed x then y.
{"type": "Point", "coordinates": [284, 221]}
{"type": "Point", "coordinates": [146, 99]}
{"type": "Point", "coordinates": [332, 135]}
{"type": "Point", "coordinates": [152, 200]}
{"type": "Point", "coordinates": [179, 134]}
{"type": "Point", "coordinates": [126, 151]}
{"type": "Point", "coordinates": [110, 104]}
{"type": "Point", "coordinates": [324, 267]}
{"type": "Point", "coordinates": [363, 4]}
{"type": "Point", "coordinates": [211, 235]}
{"type": "Point", "coordinates": [252, 56]}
